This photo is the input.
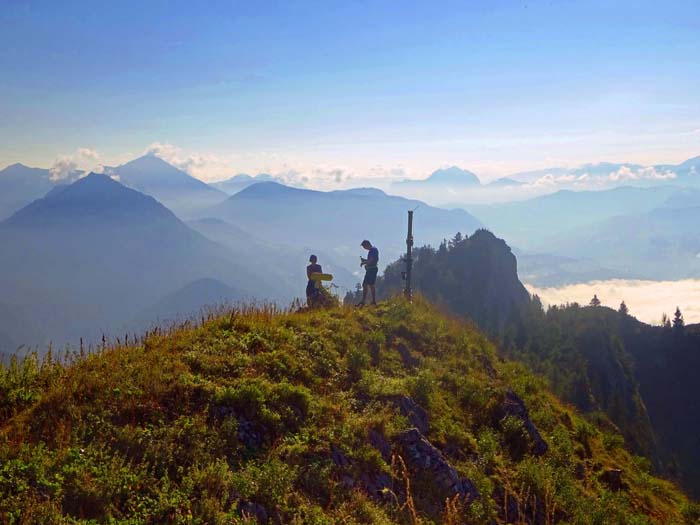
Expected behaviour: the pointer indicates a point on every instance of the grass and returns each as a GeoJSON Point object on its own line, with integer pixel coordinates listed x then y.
{"type": "Point", "coordinates": [234, 420]}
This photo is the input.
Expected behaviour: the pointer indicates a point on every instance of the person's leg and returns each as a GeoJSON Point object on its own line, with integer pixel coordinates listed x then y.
{"type": "Point", "coordinates": [364, 294]}
{"type": "Point", "coordinates": [374, 294]}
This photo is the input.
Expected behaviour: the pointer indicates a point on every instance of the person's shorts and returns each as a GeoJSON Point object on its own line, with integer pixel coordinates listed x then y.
{"type": "Point", "coordinates": [370, 276]}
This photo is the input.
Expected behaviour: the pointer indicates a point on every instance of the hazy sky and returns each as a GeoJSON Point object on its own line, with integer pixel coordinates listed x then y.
{"type": "Point", "coordinates": [368, 88]}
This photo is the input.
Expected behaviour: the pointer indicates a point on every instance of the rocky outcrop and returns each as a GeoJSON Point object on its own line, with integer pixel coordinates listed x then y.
{"type": "Point", "coordinates": [613, 479]}
{"type": "Point", "coordinates": [373, 483]}
{"type": "Point", "coordinates": [379, 442]}
{"type": "Point", "coordinates": [408, 359]}
{"type": "Point", "coordinates": [513, 406]}
{"type": "Point", "coordinates": [416, 414]}
{"type": "Point", "coordinates": [250, 509]}
{"type": "Point", "coordinates": [428, 462]}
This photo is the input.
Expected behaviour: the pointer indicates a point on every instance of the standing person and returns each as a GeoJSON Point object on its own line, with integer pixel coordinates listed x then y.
{"type": "Point", "coordinates": [371, 269]}
{"type": "Point", "coordinates": [311, 290]}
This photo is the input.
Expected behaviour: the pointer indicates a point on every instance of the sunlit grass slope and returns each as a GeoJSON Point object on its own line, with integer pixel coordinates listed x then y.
{"type": "Point", "coordinates": [260, 416]}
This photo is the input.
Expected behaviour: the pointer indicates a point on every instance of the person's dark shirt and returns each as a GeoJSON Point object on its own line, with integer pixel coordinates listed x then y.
{"type": "Point", "coordinates": [313, 268]}
{"type": "Point", "coordinates": [372, 257]}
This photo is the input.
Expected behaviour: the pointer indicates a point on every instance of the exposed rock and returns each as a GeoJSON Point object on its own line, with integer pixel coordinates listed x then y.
{"type": "Point", "coordinates": [421, 456]}
{"type": "Point", "coordinates": [378, 441]}
{"type": "Point", "coordinates": [340, 459]}
{"type": "Point", "coordinates": [253, 510]}
{"type": "Point", "coordinates": [513, 406]}
{"type": "Point", "coordinates": [507, 504]}
{"type": "Point", "coordinates": [249, 435]}
{"type": "Point", "coordinates": [416, 414]}
{"type": "Point", "coordinates": [613, 479]}
{"type": "Point", "coordinates": [409, 361]}
{"type": "Point", "coordinates": [374, 485]}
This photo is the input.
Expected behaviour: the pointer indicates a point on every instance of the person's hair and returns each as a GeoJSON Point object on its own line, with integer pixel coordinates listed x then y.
{"type": "Point", "coordinates": [366, 243]}
{"type": "Point", "coordinates": [313, 259]}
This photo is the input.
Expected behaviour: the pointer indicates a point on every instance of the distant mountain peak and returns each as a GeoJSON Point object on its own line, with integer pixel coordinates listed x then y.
{"type": "Point", "coordinates": [150, 160]}
{"type": "Point", "coordinates": [506, 181]}
{"type": "Point", "coordinates": [364, 192]}
{"type": "Point", "coordinates": [268, 189]}
{"type": "Point", "coordinates": [454, 175]}
{"type": "Point", "coordinates": [694, 161]}
{"type": "Point", "coordinates": [94, 197]}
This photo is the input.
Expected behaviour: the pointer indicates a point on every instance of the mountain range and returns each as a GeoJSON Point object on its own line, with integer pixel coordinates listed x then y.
{"type": "Point", "coordinates": [82, 261]}
{"type": "Point", "coordinates": [336, 222]}
{"type": "Point", "coordinates": [628, 232]}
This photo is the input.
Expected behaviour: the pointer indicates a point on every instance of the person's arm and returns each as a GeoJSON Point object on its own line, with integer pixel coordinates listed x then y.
{"type": "Point", "coordinates": [308, 272]}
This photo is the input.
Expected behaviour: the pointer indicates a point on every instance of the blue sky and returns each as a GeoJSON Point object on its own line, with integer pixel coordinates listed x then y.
{"type": "Point", "coordinates": [364, 88]}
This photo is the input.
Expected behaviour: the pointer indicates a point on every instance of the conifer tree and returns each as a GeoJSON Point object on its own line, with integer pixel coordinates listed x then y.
{"type": "Point", "coordinates": [595, 302]}
{"type": "Point", "coordinates": [678, 322]}
{"type": "Point", "coordinates": [665, 321]}
{"type": "Point", "coordinates": [623, 310]}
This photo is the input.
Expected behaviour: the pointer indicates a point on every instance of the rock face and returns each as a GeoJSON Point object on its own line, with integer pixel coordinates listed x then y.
{"type": "Point", "coordinates": [613, 479]}
{"type": "Point", "coordinates": [426, 460]}
{"type": "Point", "coordinates": [379, 442]}
{"type": "Point", "coordinates": [513, 406]}
{"type": "Point", "coordinates": [416, 414]}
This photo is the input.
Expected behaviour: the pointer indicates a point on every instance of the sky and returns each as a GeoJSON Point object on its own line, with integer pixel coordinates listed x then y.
{"type": "Point", "coordinates": [343, 90]}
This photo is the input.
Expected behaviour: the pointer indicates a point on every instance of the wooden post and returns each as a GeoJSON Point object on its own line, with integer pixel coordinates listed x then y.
{"type": "Point", "coordinates": [408, 292]}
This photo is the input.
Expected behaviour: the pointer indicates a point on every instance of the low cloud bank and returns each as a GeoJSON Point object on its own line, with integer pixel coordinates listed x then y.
{"type": "Point", "coordinates": [647, 300]}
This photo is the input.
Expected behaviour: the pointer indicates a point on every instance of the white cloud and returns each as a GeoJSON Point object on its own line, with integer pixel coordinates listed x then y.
{"type": "Point", "coordinates": [648, 173]}
{"type": "Point", "coordinates": [206, 167]}
{"type": "Point", "coordinates": [65, 167]}
{"type": "Point", "coordinates": [550, 180]}
{"type": "Point", "coordinates": [647, 300]}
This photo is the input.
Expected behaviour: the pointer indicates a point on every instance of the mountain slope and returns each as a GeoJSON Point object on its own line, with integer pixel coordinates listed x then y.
{"type": "Point", "coordinates": [20, 185]}
{"type": "Point", "coordinates": [531, 224]}
{"type": "Point", "coordinates": [476, 278]}
{"type": "Point", "coordinates": [241, 181]}
{"type": "Point", "coordinates": [661, 244]}
{"type": "Point", "coordinates": [281, 263]}
{"type": "Point", "coordinates": [80, 262]}
{"type": "Point", "coordinates": [338, 416]}
{"type": "Point", "coordinates": [189, 300]}
{"type": "Point", "coordinates": [177, 190]}
{"type": "Point", "coordinates": [337, 221]}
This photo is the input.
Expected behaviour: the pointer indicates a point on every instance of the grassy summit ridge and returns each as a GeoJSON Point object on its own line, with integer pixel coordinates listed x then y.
{"type": "Point", "coordinates": [261, 416]}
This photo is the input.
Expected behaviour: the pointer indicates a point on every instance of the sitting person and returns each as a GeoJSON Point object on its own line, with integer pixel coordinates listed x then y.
{"type": "Point", "coordinates": [311, 290]}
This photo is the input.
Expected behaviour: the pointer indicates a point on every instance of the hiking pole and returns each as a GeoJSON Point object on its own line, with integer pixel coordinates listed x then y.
{"type": "Point", "coordinates": [408, 292]}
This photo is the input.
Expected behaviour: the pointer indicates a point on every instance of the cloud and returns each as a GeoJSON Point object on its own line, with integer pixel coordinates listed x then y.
{"type": "Point", "coordinates": [647, 300]}
{"type": "Point", "coordinates": [67, 167]}
{"type": "Point", "coordinates": [206, 167]}
{"type": "Point", "coordinates": [550, 180]}
{"type": "Point", "coordinates": [648, 173]}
